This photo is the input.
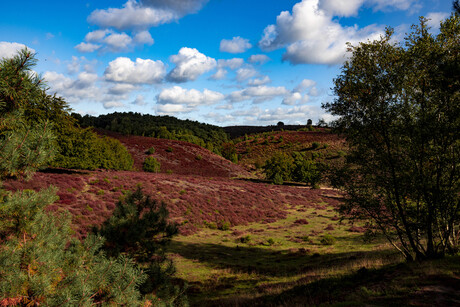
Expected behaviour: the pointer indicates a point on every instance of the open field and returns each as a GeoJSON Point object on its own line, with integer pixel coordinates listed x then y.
{"type": "Point", "coordinates": [249, 243]}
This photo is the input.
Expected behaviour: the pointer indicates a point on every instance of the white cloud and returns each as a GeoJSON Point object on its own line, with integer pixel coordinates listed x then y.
{"type": "Point", "coordinates": [165, 109]}
{"type": "Point", "coordinates": [118, 41]}
{"type": "Point", "coordinates": [257, 94]}
{"type": "Point", "coordinates": [190, 64]}
{"type": "Point", "coordinates": [260, 81]}
{"type": "Point", "coordinates": [87, 47]}
{"type": "Point", "coordinates": [220, 74]}
{"type": "Point", "coordinates": [74, 90]}
{"type": "Point", "coordinates": [258, 59]}
{"type": "Point", "coordinates": [122, 89]}
{"type": "Point", "coordinates": [230, 63]}
{"type": "Point", "coordinates": [304, 85]}
{"type": "Point", "coordinates": [291, 98]}
{"type": "Point", "coordinates": [435, 18]}
{"type": "Point", "coordinates": [189, 98]}
{"type": "Point", "coordinates": [49, 35]}
{"type": "Point", "coordinates": [235, 45]}
{"type": "Point", "coordinates": [113, 104]}
{"type": "Point", "coordinates": [144, 14]}
{"type": "Point", "coordinates": [140, 72]}
{"type": "Point", "coordinates": [139, 101]}
{"type": "Point", "coordinates": [341, 7]}
{"type": "Point", "coordinates": [8, 50]}
{"type": "Point", "coordinates": [245, 73]}
{"type": "Point", "coordinates": [132, 15]}
{"type": "Point", "coordinates": [311, 35]}
{"type": "Point", "coordinates": [96, 36]}
{"type": "Point", "coordinates": [143, 37]}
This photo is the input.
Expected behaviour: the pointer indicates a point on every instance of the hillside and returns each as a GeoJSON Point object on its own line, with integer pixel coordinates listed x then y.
{"type": "Point", "coordinates": [178, 157]}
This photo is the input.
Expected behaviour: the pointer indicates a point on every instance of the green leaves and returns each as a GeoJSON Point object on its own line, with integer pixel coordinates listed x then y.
{"type": "Point", "coordinates": [399, 107]}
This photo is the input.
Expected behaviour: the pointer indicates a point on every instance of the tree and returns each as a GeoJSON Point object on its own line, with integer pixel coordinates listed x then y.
{"type": "Point", "coordinates": [279, 168]}
{"type": "Point", "coordinates": [40, 262]}
{"type": "Point", "coordinates": [139, 227]}
{"type": "Point", "coordinates": [456, 6]}
{"type": "Point", "coordinates": [399, 108]}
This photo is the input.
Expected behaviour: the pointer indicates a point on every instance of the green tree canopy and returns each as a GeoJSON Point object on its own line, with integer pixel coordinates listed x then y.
{"type": "Point", "coordinates": [399, 107]}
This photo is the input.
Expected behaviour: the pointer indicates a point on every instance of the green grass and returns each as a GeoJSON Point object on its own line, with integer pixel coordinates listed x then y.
{"type": "Point", "coordinates": [258, 260]}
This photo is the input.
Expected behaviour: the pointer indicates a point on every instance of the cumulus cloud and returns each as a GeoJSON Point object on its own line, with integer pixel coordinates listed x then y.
{"type": "Point", "coordinates": [143, 38]}
{"type": "Point", "coordinates": [291, 98]}
{"type": "Point", "coordinates": [245, 73]}
{"type": "Point", "coordinates": [257, 94]}
{"type": "Point", "coordinates": [139, 101]}
{"type": "Point", "coordinates": [435, 18]}
{"type": "Point", "coordinates": [122, 89]}
{"type": "Point", "coordinates": [8, 50]}
{"type": "Point", "coordinates": [113, 104]}
{"type": "Point", "coordinates": [140, 72]}
{"type": "Point", "coordinates": [235, 45]}
{"type": "Point", "coordinates": [74, 90]}
{"type": "Point", "coordinates": [87, 47]}
{"type": "Point", "coordinates": [144, 14]}
{"type": "Point", "coordinates": [190, 64]}
{"type": "Point", "coordinates": [311, 35]}
{"type": "Point", "coordinates": [109, 40]}
{"type": "Point", "coordinates": [259, 81]}
{"type": "Point", "coordinates": [188, 98]}
{"type": "Point", "coordinates": [304, 85]}
{"type": "Point", "coordinates": [232, 64]}
{"type": "Point", "coordinates": [258, 59]}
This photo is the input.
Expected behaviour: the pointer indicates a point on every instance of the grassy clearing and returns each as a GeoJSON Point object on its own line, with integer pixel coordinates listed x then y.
{"type": "Point", "coordinates": [265, 259]}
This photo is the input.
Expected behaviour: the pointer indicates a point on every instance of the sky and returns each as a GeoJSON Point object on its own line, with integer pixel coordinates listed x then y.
{"type": "Point", "coordinates": [222, 62]}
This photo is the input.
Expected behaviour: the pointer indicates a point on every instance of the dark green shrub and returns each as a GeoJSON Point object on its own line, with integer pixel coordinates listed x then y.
{"type": "Point", "coordinates": [279, 168]}
{"type": "Point", "coordinates": [315, 145]}
{"type": "Point", "coordinates": [245, 239]}
{"type": "Point", "coordinates": [151, 151]}
{"type": "Point", "coordinates": [328, 240]}
{"type": "Point", "coordinates": [198, 157]}
{"type": "Point", "coordinates": [224, 225]}
{"type": "Point", "coordinates": [151, 165]}
{"type": "Point", "coordinates": [306, 170]}
{"type": "Point", "coordinates": [169, 149]}
{"type": "Point", "coordinates": [140, 228]}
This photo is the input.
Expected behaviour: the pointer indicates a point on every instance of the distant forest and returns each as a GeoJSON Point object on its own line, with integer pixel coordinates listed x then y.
{"type": "Point", "coordinates": [164, 127]}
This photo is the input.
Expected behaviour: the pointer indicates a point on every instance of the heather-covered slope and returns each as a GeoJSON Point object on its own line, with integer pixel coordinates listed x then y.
{"type": "Point", "coordinates": [178, 157]}
{"type": "Point", "coordinates": [193, 201]}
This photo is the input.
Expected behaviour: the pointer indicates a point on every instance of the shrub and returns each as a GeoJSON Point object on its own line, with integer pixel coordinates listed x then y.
{"type": "Point", "coordinates": [244, 239]}
{"type": "Point", "coordinates": [328, 240]}
{"type": "Point", "coordinates": [198, 157]}
{"type": "Point", "coordinates": [151, 165]}
{"type": "Point", "coordinates": [224, 225]}
{"type": "Point", "coordinates": [315, 145]}
{"type": "Point", "coordinates": [169, 149]}
{"type": "Point", "coordinates": [151, 151]}
{"type": "Point", "coordinates": [279, 166]}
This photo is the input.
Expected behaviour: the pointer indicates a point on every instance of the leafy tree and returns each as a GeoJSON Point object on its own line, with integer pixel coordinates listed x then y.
{"type": "Point", "coordinates": [456, 6]}
{"type": "Point", "coordinates": [306, 170]}
{"type": "Point", "coordinates": [151, 165]}
{"type": "Point", "coordinates": [139, 227]}
{"type": "Point", "coordinates": [279, 168]}
{"type": "Point", "coordinates": [399, 107]}
{"type": "Point", "coordinates": [40, 262]}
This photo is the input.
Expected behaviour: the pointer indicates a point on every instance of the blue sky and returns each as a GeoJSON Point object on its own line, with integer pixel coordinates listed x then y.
{"type": "Point", "coordinates": [224, 62]}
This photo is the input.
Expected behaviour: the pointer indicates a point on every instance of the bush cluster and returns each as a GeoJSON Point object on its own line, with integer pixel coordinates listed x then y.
{"type": "Point", "coordinates": [282, 167]}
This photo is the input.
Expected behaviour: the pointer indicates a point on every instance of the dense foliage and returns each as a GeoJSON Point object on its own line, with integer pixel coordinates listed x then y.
{"type": "Point", "coordinates": [151, 164]}
{"type": "Point", "coordinates": [165, 127]}
{"type": "Point", "coordinates": [139, 227]}
{"type": "Point", "coordinates": [83, 149]}
{"type": "Point", "coordinates": [40, 263]}
{"type": "Point", "coordinates": [27, 109]}
{"type": "Point", "coordinates": [282, 167]}
{"type": "Point", "coordinates": [399, 107]}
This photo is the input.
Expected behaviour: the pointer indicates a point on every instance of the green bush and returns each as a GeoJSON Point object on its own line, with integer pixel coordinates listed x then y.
{"type": "Point", "coordinates": [151, 151]}
{"type": "Point", "coordinates": [278, 168]}
{"type": "Point", "coordinates": [315, 145]}
{"type": "Point", "coordinates": [151, 165]}
{"type": "Point", "coordinates": [169, 149]}
{"type": "Point", "coordinates": [328, 240]}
